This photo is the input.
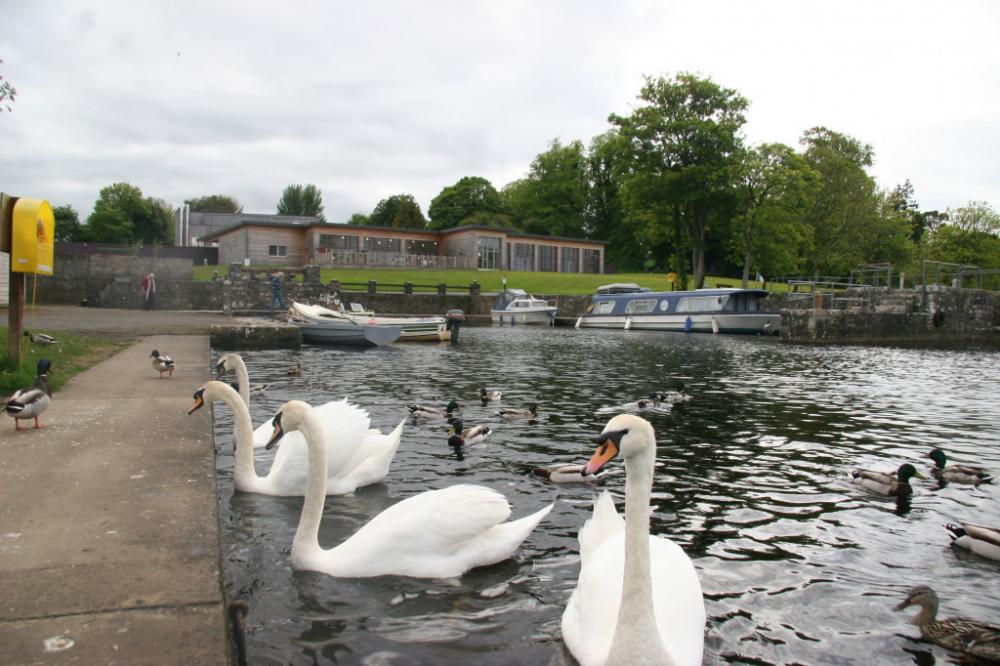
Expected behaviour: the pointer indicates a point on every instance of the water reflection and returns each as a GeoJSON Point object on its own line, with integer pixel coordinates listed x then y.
{"type": "Point", "coordinates": [797, 564]}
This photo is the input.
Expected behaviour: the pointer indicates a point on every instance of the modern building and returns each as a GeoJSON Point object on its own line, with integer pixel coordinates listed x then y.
{"type": "Point", "coordinates": [281, 240]}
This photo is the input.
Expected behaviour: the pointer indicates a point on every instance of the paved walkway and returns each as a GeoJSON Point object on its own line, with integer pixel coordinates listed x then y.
{"type": "Point", "coordinates": [109, 539]}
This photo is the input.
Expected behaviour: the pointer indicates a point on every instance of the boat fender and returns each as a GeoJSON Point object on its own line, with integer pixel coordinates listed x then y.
{"type": "Point", "coordinates": [628, 324]}
{"type": "Point", "coordinates": [578, 320]}
{"type": "Point", "coordinates": [715, 325]}
{"type": "Point", "coordinates": [687, 325]}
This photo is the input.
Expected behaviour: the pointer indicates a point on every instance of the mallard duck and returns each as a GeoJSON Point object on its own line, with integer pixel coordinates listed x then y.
{"type": "Point", "coordinates": [644, 404]}
{"type": "Point", "coordinates": [425, 412]}
{"type": "Point", "coordinates": [29, 403]}
{"type": "Point", "coordinates": [565, 474]}
{"type": "Point", "coordinates": [513, 414]}
{"type": "Point", "coordinates": [489, 396]}
{"type": "Point", "coordinates": [460, 436]}
{"type": "Point", "coordinates": [638, 599]}
{"type": "Point", "coordinates": [42, 339]}
{"type": "Point", "coordinates": [433, 534]}
{"type": "Point", "coordinates": [163, 363]}
{"type": "Point", "coordinates": [673, 392]}
{"type": "Point", "coordinates": [957, 473]}
{"type": "Point", "coordinates": [960, 634]}
{"type": "Point", "coordinates": [886, 484]}
{"type": "Point", "coordinates": [980, 539]}
{"type": "Point", "coordinates": [295, 370]}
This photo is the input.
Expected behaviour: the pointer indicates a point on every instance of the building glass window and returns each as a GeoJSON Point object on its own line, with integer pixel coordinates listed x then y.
{"type": "Point", "coordinates": [338, 242]}
{"type": "Point", "coordinates": [380, 244]}
{"type": "Point", "coordinates": [570, 262]}
{"type": "Point", "coordinates": [547, 258]}
{"type": "Point", "coordinates": [591, 261]}
{"type": "Point", "coordinates": [489, 252]}
{"type": "Point", "coordinates": [277, 250]}
{"type": "Point", "coordinates": [422, 247]}
{"type": "Point", "coordinates": [522, 257]}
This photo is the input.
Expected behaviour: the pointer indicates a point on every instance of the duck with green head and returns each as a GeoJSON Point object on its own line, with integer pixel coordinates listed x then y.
{"type": "Point", "coordinates": [968, 474]}
{"type": "Point", "coordinates": [884, 483]}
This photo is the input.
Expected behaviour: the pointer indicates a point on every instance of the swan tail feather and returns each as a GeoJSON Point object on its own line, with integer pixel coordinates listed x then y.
{"type": "Point", "coordinates": [499, 542]}
{"type": "Point", "coordinates": [604, 522]}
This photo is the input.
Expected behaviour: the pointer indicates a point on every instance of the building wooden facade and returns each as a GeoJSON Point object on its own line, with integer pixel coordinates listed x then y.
{"type": "Point", "coordinates": [279, 242]}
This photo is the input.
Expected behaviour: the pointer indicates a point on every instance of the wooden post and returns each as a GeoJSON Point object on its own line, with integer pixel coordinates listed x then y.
{"type": "Point", "coordinates": [15, 308]}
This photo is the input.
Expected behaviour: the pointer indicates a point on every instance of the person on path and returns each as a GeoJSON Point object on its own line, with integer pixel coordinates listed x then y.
{"type": "Point", "coordinates": [149, 291]}
{"type": "Point", "coordinates": [277, 295]}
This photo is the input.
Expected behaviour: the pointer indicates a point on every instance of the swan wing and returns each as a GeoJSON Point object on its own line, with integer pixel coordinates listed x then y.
{"type": "Point", "coordinates": [588, 623]}
{"type": "Point", "coordinates": [369, 463]}
{"type": "Point", "coordinates": [604, 523]}
{"type": "Point", "coordinates": [434, 534]}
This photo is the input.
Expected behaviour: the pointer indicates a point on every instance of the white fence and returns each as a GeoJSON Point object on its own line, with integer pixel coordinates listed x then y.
{"type": "Point", "coordinates": [396, 260]}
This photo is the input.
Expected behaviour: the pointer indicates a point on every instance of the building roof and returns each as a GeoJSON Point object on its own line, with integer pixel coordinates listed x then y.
{"type": "Point", "coordinates": [325, 226]}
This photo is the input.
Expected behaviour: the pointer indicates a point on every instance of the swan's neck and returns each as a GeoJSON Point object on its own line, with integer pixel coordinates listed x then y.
{"type": "Point", "coordinates": [637, 637]}
{"type": "Point", "coordinates": [243, 432]}
{"type": "Point", "coordinates": [243, 379]}
{"type": "Point", "coordinates": [307, 535]}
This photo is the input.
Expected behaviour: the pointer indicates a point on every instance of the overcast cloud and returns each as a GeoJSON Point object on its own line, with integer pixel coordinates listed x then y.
{"type": "Point", "coordinates": [367, 100]}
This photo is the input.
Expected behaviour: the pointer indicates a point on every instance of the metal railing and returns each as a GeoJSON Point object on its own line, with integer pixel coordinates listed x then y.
{"type": "Point", "coordinates": [396, 260]}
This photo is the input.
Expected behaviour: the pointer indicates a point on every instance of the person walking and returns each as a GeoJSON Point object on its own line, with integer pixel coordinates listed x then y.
{"type": "Point", "coordinates": [149, 291]}
{"type": "Point", "coordinates": [277, 295]}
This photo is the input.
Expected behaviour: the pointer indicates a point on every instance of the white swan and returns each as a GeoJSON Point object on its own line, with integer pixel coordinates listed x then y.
{"type": "Point", "coordinates": [659, 610]}
{"type": "Point", "coordinates": [234, 363]}
{"type": "Point", "coordinates": [357, 456]}
{"type": "Point", "coordinates": [434, 534]}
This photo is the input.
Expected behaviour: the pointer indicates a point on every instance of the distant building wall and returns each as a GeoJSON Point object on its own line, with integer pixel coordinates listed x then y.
{"type": "Point", "coordinates": [198, 256]}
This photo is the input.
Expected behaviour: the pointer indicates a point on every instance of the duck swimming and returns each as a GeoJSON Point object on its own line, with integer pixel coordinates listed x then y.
{"type": "Point", "coordinates": [459, 436]}
{"type": "Point", "coordinates": [883, 483]}
{"type": "Point", "coordinates": [959, 634]}
{"type": "Point", "coordinates": [489, 396]}
{"type": "Point", "coordinates": [514, 414]}
{"type": "Point", "coordinates": [980, 539]}
{"type": "Point", "coordinates": [425, 412]}
{"type": "Point", "coordinates": [967, 474]}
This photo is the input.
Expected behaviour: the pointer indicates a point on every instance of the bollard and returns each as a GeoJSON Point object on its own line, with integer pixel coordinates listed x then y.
{"type": "Point", "coordinates": [408, 288]}
{"type": "Point", "coordinates": [474, 288]}
{"type": "Point", "coordinates": [371, 286]}
{"type": "Point", "coordinates": [442, 289]}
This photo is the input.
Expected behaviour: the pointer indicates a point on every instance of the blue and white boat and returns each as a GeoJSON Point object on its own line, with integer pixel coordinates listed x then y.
{"type": "Point", "coordinates": [629, 306]}
{"type": "Point", "coordinates": [516, 306]}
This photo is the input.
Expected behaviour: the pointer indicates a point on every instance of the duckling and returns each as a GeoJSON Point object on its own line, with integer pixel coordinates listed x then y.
{"type": "Point", "coordinates": [459, 436]}
{"type": "Point", "coordinates": [887, 484]}
{"type": "Point", "coordinates": [163, 363]}
{"type": "Point", "coordinates": [42, 339]}
{"type": "Point", "coordinates": [674, 392]}
{"type": "Point", "coordinates": [29, 403]}
{"type": "Point", "coordinates": [969, 474]}
{"type": "Point", "coordinates": [513, 414]}
{"type": "Point", "coordinates": [295, 370]}
{"type": "Point", "coordinates": [960, 634]}
{"type": "Point", "coordinates": [980, 539]}
{"type": "Point", "coordinates": [489, 396]}
{"type": "Point", "coordinates": [425, 412]}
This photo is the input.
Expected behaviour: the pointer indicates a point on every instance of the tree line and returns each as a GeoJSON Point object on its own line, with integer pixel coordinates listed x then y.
{"type": "Point", "coordinates": [672, 186]}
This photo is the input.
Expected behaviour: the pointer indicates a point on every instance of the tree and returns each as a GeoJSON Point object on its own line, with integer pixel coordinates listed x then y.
{"type": "Point", "coordinates": [681, 145]}
{"type": "Point", "coordinates": [953, 244]}
{"type": "Point", "coordinates": [775, 186]}
{"type": "Point", "coordinates": [455, 203]}
{"type": "Point", "coordinates": [68, 227]}
{"type": "Point", "coordinates": [552, 199]}
{"type": "Point", "coordinates": [975, 216]}
{"type": "Point", "coordinates": [845, 204]}
{"type": "Point", "coordinates": [215, 203]}
{"type": "Point", "coordinates": [605, 217]}
{"type": "Point", "coordinates": [304, 200]}
{"type": "Point", "coordinates": [7, 93]}
{"type": "Point", "coordinates": [122, 215]}
{"type": "Point", "coordinates": [358, 219]}
{"type": "Point", "coordinates": [400, 211]}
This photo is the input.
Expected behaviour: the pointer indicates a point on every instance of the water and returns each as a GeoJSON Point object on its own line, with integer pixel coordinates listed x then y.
{"type": "Point", "coordinates": [798, 566]}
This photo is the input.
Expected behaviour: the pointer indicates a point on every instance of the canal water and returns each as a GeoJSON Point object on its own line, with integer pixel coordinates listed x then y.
{"type": "Point", "coordinates": [797, 565]}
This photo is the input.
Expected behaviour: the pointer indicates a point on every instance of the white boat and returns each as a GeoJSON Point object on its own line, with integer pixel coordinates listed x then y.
{"type": "Point", "coordinates": [628, 306]}
{"type": "Point", "coordinates": [414, 329]}
{"type": "Point", "coordinates": [318, 325]}
{"type": "Point", "coordinates": [516, 306]}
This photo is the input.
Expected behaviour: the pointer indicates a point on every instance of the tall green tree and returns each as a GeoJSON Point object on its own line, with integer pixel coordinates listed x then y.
{"type": "Point", "coordinates": [68, 227]}
{"type": "Point", "coordinates": [775, 186]}
{"type": "Point", "coordinates": [682, 143]}
{"type": "Point", "coordinates": [400, 211]}
{"type": "Point", "coordinates": [215, 203]}
{"type": "Point", "coordinates": [455, 203]}
{"type": "Point", "coordinates": [845, 204]}
{"type": "Point", "coordinates": [605, 211]}
{"type": "Point", "coordinates": [975, 216]}
{"type": "Point", "coordinates": [552, 199]}
{"type": "Point", "coordinates": [358, 219]}
{"type": "Point", "coordinates": [305, 200]}
{"type": "Point", "coordinates": [123, 215]}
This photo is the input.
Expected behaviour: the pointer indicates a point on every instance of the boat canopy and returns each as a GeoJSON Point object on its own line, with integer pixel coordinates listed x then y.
{"type": "Point", "coordinates": [621, 288]}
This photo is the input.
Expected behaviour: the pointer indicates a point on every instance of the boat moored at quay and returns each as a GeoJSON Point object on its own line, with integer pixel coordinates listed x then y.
{"type": "Point", "coordinates": [720, 310]}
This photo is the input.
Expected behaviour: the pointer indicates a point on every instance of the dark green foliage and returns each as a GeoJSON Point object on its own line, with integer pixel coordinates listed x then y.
{"type": "Point", "coordinates": [305, 200]}
{"type": "Point", "coordinates": [552, 200]}
{"type": "Point", "coordinates": [68, 227]}
{"type": "Point", "coordinates": [215, 203]}
{"type": "Point", "coordinates": [123, 215]}
{"type": "Point", "coordinates": [400, 211]}
{"type": "Point", "coordinates": [455, 203]}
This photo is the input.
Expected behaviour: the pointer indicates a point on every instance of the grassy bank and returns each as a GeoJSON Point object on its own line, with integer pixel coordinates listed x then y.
{"type": "Point", "coordinates": [551, 284]}
{"type": "Point", "coordinates": [70, 356]}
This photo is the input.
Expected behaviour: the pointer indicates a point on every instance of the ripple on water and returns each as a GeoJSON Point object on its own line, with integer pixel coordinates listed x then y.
{"type": "Point", "coordinates": [797, 564]}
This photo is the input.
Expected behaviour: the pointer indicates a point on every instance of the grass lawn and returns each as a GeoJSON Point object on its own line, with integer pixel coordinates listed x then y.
{"type": "Point", "coordinates": [71, 355]}
{"type": "Point", "coordinates": [549, 284]}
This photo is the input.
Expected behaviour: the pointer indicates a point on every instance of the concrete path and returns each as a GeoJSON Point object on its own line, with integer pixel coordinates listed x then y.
{"type": "Point", "coordinates": [109, 539]}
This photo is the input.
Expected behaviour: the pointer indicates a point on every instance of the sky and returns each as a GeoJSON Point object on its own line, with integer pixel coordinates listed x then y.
{"type": "Point", "coordinates": [370, 99]}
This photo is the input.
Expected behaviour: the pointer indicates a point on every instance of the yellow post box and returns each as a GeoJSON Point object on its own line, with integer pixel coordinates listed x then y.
{"type": "Point", "coordinates": [33, 237]}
